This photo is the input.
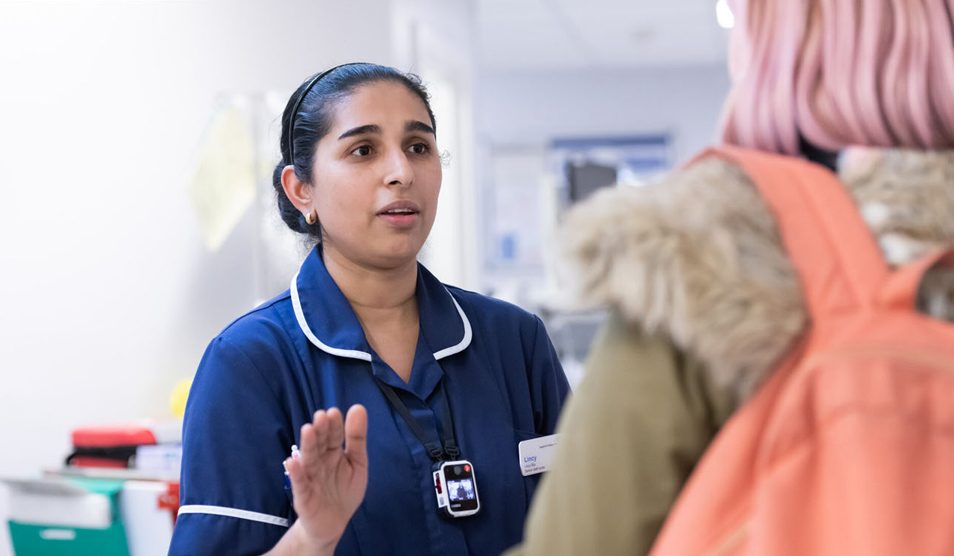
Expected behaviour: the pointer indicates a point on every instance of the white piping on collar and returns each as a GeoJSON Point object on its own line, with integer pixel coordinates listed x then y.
{"type": "Point", "coordinates": [363, 355]}
{"type": "Point", "coordinates": [232, 512]}
{"type": "Point", "coordinates": [468, 334]}
{"type": "Point", "coordinates": [300, 315]}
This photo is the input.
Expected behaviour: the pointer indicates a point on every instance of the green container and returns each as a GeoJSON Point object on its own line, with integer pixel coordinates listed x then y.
{"type": "Point", "coordinates": [52, 539]}
{"type": "Point", "coordinates": [49, 540]}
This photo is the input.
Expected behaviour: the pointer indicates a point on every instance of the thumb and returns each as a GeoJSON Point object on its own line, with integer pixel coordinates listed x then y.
{"type": "Point", "coordinates": [356, 435]}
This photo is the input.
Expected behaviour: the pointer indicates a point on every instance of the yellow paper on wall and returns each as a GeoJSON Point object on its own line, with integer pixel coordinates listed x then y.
{"type": "Point", "coordinates": [179, 397]}
{"type": "Point", "coordinates": [223, 186]}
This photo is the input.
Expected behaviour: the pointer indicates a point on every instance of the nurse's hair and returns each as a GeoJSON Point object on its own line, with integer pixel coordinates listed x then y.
{"type": "Point", "coordinates": [835, 73]}
{"type": "Point", "coordinates": [308, 117]}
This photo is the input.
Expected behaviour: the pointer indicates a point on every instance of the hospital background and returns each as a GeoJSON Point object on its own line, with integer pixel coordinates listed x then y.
{"type": "Point", "coordinates": [137, 138]}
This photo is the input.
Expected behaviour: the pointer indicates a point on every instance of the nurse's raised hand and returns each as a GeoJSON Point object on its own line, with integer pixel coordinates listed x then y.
{"type": "Point", "coordinates": [331, 476]}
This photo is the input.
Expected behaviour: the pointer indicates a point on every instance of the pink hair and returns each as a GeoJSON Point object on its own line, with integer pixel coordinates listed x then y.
{"type": "Point", "coordinates": [876, 73]}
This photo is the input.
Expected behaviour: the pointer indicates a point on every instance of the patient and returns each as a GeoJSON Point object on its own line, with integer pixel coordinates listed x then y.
{"type": "Point", "coordinates": [703, 297]}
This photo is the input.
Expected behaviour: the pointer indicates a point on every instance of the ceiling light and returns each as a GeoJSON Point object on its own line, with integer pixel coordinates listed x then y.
{"type": "Point", "coordinates": [724, 14]}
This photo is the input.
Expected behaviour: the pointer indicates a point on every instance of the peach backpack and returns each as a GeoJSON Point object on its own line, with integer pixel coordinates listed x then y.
{"type": "Point", "coordinates": [848, 449]}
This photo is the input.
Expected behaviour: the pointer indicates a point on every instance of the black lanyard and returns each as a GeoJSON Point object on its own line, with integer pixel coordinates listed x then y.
{"type": "Point", "coordinates": [449, 450]}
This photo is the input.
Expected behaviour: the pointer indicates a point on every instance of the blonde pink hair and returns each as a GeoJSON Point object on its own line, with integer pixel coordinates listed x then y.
{"type": "Point", "coordinates": [838, 73]}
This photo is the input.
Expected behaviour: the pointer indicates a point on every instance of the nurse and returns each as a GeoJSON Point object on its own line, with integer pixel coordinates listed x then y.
{"type": "Point", "coordinates": [430, 372]}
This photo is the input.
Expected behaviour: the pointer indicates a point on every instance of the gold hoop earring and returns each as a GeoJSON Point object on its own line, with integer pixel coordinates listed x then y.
{"type": "Point", "coordinates": [311, 218]}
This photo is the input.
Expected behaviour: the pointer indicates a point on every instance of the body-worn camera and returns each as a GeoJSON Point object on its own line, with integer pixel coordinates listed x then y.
{"type": "Point", "coordinates": [456, 488]}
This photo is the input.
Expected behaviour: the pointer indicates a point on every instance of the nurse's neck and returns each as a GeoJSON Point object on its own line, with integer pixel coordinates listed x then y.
{"type": "Point", "coordinates": [383, 300]}
{"type": "Point", "coordinates": [370, 287]}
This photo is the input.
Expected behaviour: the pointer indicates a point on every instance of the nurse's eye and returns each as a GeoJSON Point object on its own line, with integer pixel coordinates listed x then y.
{"type": "Point", "coordinates": [363, 150]}
{"type": "Point", "coordinates": [420, 148]}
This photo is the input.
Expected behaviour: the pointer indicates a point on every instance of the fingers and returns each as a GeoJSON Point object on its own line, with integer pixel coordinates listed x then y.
{"type": "Point", "coordinates": [321, 427]}
{"type": "Point", "coordinates": [324, 434]}
{"type": "Point", "coordinates": [356, 435]}
{"type": "Point", "coordinates": [329, 431]}
{"type": "Point", "coordinates": [335, 437]}
{"type": "Point", "coordinates": [309, 443]}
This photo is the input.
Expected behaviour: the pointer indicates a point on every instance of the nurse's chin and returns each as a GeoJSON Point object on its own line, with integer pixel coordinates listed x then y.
{"type": "Point", "coordinates": [394, 254]}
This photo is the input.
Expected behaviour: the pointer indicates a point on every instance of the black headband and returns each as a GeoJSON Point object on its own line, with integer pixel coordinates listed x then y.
{"type": "Point", "coordinates": [301, 97]}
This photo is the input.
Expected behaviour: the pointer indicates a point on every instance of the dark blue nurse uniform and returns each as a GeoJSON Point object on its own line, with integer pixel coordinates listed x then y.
{"type": "Point", "coordinates": [266, 374]}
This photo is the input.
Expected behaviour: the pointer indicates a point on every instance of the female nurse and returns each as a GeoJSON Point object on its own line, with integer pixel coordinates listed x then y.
{"type": "Point", "coordinates": [430, 372]}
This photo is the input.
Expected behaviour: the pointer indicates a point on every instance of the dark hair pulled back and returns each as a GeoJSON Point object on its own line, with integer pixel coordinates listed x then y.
{"type": "Point", "coordinates": [313, 119]}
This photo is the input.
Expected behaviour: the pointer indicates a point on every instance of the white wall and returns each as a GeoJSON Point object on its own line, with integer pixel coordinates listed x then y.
{"type": "Point", "coordinates": [531, 107]}
{"type": "Point", "coordinates": [109, 296]}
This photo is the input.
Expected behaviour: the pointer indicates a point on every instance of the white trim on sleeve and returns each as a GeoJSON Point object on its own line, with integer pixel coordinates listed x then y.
{"type": "Point", "coordinates": [232, 512]}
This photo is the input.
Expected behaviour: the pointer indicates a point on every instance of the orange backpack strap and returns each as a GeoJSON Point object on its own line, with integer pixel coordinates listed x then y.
{"type": "Point", "coordinates": [838, 261]}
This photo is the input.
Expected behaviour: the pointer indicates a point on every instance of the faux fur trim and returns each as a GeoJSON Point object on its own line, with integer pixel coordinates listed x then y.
{"type": "Point", "coordinates": [697, 257]}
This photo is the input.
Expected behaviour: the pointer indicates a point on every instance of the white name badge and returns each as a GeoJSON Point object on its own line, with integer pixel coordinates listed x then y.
{"type": "Point", "coordinates": [536, 454]}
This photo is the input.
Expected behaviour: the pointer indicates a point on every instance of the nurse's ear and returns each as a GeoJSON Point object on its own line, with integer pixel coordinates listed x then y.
{"type": "Point", "coordinates": [297, 191]}
{"type": "Point", "coordinates": [295, 201]}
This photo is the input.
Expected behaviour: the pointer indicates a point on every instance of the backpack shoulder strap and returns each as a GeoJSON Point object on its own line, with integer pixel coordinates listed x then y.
{"type": "Point", "coordinates": [840, 265]}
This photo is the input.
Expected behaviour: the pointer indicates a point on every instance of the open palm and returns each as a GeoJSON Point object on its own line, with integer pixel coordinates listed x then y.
{"type": "Point", "coordinates": [330, 478]}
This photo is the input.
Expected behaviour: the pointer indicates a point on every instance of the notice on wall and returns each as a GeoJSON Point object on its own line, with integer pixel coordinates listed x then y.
{"type": "Point", "coordinates": [223, 186]}
{"type": "Point", "coordinates": [518, 213]}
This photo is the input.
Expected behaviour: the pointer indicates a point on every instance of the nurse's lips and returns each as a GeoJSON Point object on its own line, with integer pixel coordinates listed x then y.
{"type": "Point", "coordinates": [401, 213]}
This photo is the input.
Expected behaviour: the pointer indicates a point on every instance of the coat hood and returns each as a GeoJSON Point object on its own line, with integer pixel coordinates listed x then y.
{"type": "Point", "coordinates": [696, 257]}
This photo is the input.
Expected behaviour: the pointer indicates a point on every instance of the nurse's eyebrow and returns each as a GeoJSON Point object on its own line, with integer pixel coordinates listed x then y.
{"type": "Point", "coordinates": [415, 125]}
{"type": "Point", "coordinates": [410, 126]}
{"type": "Point", "coordinates": [360, 130]}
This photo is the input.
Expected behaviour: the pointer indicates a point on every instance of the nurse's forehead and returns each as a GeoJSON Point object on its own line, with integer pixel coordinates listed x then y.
{"type": "Point", "coordinates": [381, 103]}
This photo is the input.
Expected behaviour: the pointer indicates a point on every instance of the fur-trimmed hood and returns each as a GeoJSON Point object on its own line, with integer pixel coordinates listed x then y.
{"type": "Point", "coordinates": [697, 258]}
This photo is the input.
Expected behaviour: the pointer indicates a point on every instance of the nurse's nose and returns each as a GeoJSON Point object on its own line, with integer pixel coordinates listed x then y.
{"type": "Point", "coordinates": [399, 170]}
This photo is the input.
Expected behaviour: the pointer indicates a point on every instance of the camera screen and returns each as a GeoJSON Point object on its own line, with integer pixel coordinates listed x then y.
{"type": "Point", "coordinates": [460, 490]}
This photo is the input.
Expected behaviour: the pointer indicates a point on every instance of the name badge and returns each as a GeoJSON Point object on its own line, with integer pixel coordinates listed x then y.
{"type": "Point", "coordinates": [536, 454]}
